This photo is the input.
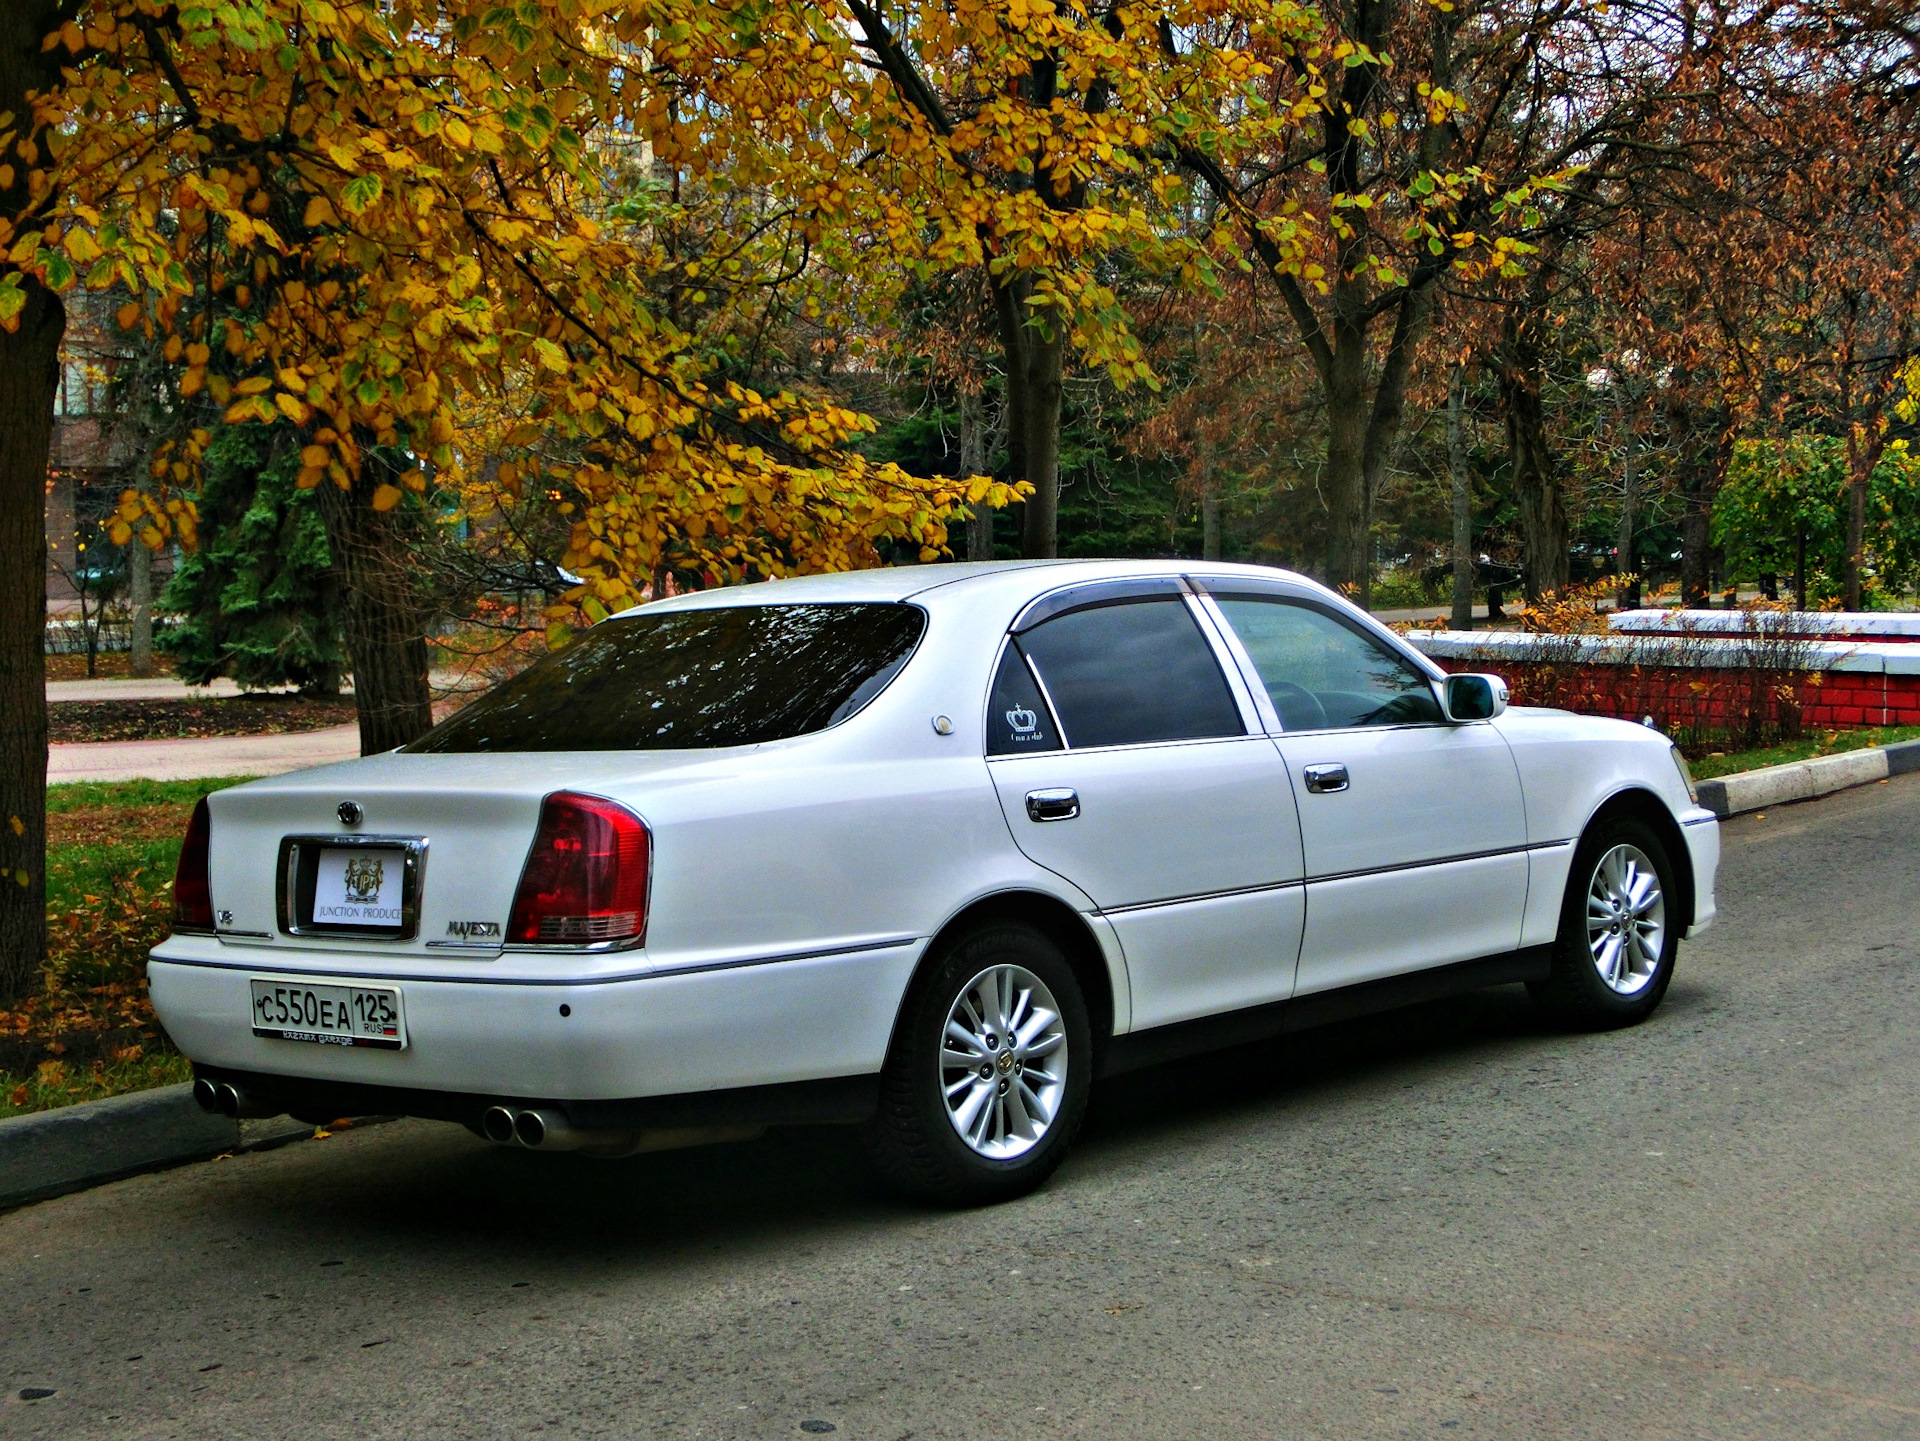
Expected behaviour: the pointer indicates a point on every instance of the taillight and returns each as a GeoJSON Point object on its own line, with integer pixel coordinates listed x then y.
{"type": "Point", "coordinates": [586, 876]}
{"type": "Point", "coordinates": [192, 894]}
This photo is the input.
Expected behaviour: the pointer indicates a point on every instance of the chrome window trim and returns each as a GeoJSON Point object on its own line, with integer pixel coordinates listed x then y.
{"type": "Point", "coordinates": [412, 884]}
{"type": "Point", "coordinates": [1264, 716]}
{"type": "Point", "coordinates": [1046, 696]}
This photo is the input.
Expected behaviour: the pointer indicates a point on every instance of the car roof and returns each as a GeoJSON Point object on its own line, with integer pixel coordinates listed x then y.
{"type": "Point", "coordinates": [955, 581]}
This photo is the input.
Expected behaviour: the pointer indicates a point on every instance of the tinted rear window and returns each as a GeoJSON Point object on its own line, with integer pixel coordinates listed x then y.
{"type": "Point", "coordinates": [1130, 673]}
{"type": "Point", "coordinates": [739, 675]}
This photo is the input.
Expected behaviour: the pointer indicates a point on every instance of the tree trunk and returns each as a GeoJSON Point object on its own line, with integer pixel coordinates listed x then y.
{"type": "Point", "coordinates": [1462, 500]}
{"type": "Point", "coordinates": [29, 377]}
{"type": "Point", "coordinates": [1863, 454]}
{"type": "Point", "coordinates": [1536, 486]}
{"type": "Point", "coordinates": [1696, 550]}
{"type": "Point", "coordinates": [1629, 597]}
{"type": "Point", "coordinates": [140, 593]}
{"type": "Point", "coordinates": [973, 461]}
{"type": "Point", "coordinates": [1343, 481]}
{"type": "Point", "coordinates": [1040, 524]}
{"type": "Point", "coordinates": [385, 629]}
{"type": "Point", "coordinates": [1702, 465]}
{"type": "Point", "coordinates": [1210, 516]}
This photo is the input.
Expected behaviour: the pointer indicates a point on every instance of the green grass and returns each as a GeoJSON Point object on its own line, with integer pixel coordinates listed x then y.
{"type": "Point", "coordinates": [110, 862]}
{"type": "Point", "coordinates": [60, 1085]}
{"type": "Point", "coordinates": [75, 872]}
{"type": "Point", "coordinates": [1823, 743]}
{"type": "Point", "coordinates": [78, 794]}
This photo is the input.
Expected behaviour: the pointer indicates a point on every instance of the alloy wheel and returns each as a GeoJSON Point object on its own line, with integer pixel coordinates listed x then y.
{"type": "Point", "coordinates": [1003, 1062]}
{"type": "Point", "coordinates": [1626, 919]}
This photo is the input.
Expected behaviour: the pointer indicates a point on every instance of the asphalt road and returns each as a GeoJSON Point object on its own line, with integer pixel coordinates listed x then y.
{"type": "Point", "coordinates": [1450, 1223]}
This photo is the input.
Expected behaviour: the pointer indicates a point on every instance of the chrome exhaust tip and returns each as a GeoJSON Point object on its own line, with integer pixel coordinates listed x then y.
{"type": "Point", "coordinates": [227, 1099]}
{"type": "Point", "coordinates": [552, 1131]}
{"type": "Point", "coordinates": [497, 1125]}
{"type": "Point", "coordinates": [534, 1129]}
{"type": "Point", "coordinates": [206, 1095]}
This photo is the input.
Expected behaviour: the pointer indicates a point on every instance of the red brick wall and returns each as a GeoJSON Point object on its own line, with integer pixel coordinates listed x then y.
{"type": "Point", "coordinates": [1708, 699]}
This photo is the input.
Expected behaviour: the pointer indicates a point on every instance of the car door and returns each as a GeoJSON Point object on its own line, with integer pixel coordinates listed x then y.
{"type": "Point", "coordinates": [1414, 829]}
{"type": "Point", "coordinates": [1124, 762]}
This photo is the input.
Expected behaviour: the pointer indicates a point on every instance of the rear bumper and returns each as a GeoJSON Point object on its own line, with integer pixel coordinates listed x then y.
{"type": "Point", "coordinates": [1702, 830]}
{"type": "Point", "coordinates": [472, 1042]}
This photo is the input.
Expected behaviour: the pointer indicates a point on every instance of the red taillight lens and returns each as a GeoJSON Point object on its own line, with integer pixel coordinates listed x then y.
{"type": "Point", "coordinates": [586, 876]}
{"type": "Point", "coordinates": [192, 894]}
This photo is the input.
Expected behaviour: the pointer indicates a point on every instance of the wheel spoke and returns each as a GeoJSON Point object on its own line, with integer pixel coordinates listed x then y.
{"type": "Point", "coordinates": [1035, 1106]}
{"type": "Point", "coordinates": [969, 1110]}
{"type": "Point", "coordinates": [1019, 1123]}
{"type": "Point", "coordinates": [1044, 1046]}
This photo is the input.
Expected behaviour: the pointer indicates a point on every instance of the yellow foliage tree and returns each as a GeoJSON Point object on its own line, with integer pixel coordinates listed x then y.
{"type": "Point", "coordinates": [361, 219]}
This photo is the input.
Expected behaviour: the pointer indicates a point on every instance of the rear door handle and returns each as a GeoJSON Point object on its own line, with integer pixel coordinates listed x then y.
{"type": "Point", "coordinates": [1322, 780]}
{"type": "Point", "coordinates": [1052, 805]}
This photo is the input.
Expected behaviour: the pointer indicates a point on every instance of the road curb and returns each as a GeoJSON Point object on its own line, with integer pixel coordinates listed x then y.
{"type": "Point", "coordinates": [50, 1153]}
{"type": "Point", "coordinates": [1804, 780]}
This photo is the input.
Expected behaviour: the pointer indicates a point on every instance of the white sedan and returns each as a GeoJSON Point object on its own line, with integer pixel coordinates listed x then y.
{"type": "Point", "coordinates": [927, 849]}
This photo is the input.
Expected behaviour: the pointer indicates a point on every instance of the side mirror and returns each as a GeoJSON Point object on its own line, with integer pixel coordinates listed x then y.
{"type": "Point", "coordinates": [1474, 697]}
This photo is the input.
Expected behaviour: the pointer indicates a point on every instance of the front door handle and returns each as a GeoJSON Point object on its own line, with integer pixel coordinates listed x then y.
{"type": "Point", "coordinates": [1323, 780]}
{"type": "Point", "coordinates": [1052, 805]}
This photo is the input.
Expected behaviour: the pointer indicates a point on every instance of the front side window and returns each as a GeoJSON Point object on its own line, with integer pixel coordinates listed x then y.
{"type": "Point", "coordinates": [731, 676]}
{"type": "Point", "coordinates": [1130, 673]}
{"type": "Point", "coordinates": [1323, 674]}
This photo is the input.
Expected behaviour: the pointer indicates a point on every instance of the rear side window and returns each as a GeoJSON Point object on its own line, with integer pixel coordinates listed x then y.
{"type": "Point", "coordinates": [1130, 673]}
{"type": "Point", "coordinates": [1017, 716]}
{"type": "Point", "coordinates": [1325, 675]}
{"type": "Point", "coordinates": [736, 675]}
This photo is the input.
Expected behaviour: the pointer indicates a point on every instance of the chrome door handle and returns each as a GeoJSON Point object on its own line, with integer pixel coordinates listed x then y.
{"type": "Point", "coordinates": [1053, 805]}
{"type": "Point", "coordinates": [1322, 780]}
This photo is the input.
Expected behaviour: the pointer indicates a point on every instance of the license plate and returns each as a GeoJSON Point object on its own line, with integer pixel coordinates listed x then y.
{"type": "Point", "coordinates": [331, 1015]}
{"type": "Point", "coordinates": [358, 886]}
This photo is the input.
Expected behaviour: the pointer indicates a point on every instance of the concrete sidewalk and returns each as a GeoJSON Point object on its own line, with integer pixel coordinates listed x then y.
{"type": "Point", "coordinates": [159, 687]}
{"type": "Point", "coordinates": [166, 687]}
{"type": "Point", "coordinates": [182, 760]}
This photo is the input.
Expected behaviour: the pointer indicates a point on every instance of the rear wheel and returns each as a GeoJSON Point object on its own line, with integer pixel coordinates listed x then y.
{"type": "Point", "coordinates": [1619, 929]}
{"type": "Point", "coordinates": [988, 1078]}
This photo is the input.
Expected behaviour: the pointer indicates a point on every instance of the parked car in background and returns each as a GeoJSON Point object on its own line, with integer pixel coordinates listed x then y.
{"type": "Point", "coordinates": [927, 849]}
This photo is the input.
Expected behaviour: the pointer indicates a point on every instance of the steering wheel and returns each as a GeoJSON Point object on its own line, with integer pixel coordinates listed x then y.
{"type": "Point", "coordinates": [1300, 708]}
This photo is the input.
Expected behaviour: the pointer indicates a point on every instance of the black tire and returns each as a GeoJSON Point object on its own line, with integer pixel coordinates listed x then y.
{"type": "Point", "coordinates": [1576, 993]}
{"type": "Point", "coordinates": [913, 1139]}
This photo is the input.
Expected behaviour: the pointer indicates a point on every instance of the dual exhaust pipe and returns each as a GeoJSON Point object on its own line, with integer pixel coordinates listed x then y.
{"type": "Point", "coordinates": [539, 1129]}
{"type": "Point", "coordinates": [223, 1098]}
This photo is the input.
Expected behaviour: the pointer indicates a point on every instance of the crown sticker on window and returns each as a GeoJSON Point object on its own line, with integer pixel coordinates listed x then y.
{"type": "Point", "coordinates": [1023, 721]}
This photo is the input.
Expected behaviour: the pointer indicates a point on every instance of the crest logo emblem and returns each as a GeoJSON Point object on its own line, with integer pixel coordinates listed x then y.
{"type": "Point", "coordinates": [1023, 721]}
{"type": "Point", "coordinates": [363, 878]}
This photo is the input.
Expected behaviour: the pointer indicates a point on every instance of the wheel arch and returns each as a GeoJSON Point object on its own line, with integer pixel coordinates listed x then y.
{"type": "Point", "coordinates": [1648, 808]}
{"type": "Point", "coordinates": [1059, 923]}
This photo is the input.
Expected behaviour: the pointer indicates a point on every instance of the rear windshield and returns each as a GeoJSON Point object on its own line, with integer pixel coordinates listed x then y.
{"type": "Point", "coordinates": [734, 676]}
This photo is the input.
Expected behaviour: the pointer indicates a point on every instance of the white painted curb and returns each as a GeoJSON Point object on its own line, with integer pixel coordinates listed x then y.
{"type": "Point", "coordinates": [1803, 780]}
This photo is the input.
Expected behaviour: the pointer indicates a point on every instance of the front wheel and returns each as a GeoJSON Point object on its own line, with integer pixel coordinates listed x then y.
{"type": "Point", "coordinates": [1619, 929]}
{"type": "Point", "coordinates": [988, 1077]}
